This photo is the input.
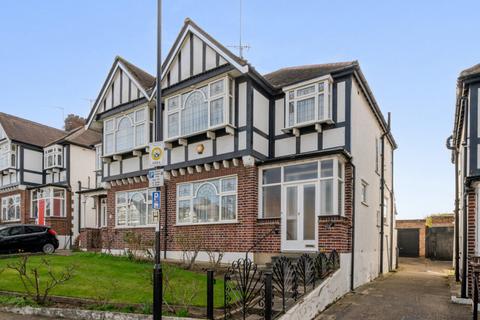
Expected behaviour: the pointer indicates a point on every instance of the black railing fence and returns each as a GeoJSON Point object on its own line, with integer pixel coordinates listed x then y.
{"type": "Point", "coordinates": [268, 293]}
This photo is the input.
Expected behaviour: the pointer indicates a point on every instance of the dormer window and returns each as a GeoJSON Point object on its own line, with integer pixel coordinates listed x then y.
{"type": "Point", "coordinates": [205, 108]}
{"type": "Point", "coordinates": [53, 157]}
{"type": "Point", "coordinates": [309, 104]}
{"type": "Point", "coordinates": [126, 132]}
{"type": "Point", "coordinates": [8, 156]}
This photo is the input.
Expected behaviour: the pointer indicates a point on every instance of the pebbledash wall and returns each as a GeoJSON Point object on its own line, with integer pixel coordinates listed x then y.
{"type": "Point", "coordinates": [235, 238]}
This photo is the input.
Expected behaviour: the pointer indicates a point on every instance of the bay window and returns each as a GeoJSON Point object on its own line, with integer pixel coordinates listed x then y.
{"type": "Point", "coordinates": [51, 200]}
{"type": "Point", "coordinates": [11, 208]}
{"type": "Point", "coordinates": [126, 132]}
{"type": "Point", "coordinates": [208, 201]}
{"type": "Point", "coordinates": [328, 174]}
{"type": "Point", "coordinates": [134, 208]}
{"type": "Point", "coordinates": [204, 108]}
{"type": "Point", "coordinates": [8, 155]}
{"type": "Point", "coordinates": [53, 157]}
{"type": "Point", "coordinates": [309, 104]}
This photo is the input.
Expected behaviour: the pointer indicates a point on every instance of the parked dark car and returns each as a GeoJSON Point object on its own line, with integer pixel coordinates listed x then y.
{"type": "Point", "coordinates": [27, 238]}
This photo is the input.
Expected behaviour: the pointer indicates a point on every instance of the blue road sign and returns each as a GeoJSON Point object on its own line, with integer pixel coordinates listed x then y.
{"type": "Point", "coordinates": [156, 200]}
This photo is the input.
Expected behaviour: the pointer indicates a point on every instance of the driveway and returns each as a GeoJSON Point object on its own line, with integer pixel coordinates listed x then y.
{"type": "Point", "coordinates": [417, 291]}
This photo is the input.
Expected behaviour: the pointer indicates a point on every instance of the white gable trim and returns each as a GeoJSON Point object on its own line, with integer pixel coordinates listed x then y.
{"type": "Point", "coordinates": [118, 65]}
{"type": "Point", "coordinates": [243, 69]}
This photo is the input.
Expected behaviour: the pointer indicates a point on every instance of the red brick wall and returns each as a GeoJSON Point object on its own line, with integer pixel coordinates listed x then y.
{"type": "Point", "coordinates": [471, 212]}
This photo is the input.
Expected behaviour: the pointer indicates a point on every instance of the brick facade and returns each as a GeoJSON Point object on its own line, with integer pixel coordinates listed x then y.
{"type": "Point", "coordinates": [471, 214]}
{"type": "Point", "coordinates": [247, 231]}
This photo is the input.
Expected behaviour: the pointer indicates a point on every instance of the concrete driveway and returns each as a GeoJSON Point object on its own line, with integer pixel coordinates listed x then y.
{"type": "Point", "coordinates": [417, 291]}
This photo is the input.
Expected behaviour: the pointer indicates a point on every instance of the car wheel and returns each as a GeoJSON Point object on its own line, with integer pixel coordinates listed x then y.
{"type": "Point", "coordinates": [48, 248]}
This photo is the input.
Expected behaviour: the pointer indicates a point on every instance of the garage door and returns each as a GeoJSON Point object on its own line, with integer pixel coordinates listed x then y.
{"type": "Point", "coordinates": [408, 242]}
{"type": "Point", "coordinates": [440, 243]}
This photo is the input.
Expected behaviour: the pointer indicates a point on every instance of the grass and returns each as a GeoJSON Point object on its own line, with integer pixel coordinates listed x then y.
{"type": "Point", "coordinates": [116, 279]}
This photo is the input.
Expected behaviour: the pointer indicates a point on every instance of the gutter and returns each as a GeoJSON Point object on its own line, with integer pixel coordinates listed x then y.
{"type": "Point", "coordinates": [451, 146]}
{"type": "Point", "coordinates": [465, 218]}
{"type": "Point", "coordinates": [352, 265]}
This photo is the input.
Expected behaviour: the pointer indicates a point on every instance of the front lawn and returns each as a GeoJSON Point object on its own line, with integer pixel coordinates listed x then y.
{"type": "Point", "coordinates": [116, 279]}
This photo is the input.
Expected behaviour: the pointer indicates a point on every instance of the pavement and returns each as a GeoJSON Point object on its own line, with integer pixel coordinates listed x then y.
{"type": "Point", "coordinates": [419, 290]}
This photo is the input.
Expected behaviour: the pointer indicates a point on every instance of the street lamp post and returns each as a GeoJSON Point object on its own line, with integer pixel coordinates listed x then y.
{"type": "Point", "coordinates": [157, 270]}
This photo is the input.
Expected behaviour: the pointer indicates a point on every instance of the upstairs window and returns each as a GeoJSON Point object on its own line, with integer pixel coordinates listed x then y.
{"type": "Point", "coordinates": [309, 104]}
{"type": "Point", "coordinates": [11, 208]}
{"type": "Point", "coordinates": [98, 157]}
{"type": "Point", "coordinates": [126, 132]}
{"type": "Point", "coordinates": [207, 107]}
{"type": "Point", "coordinates": [8, 156]}
{"type": "Point", "coordinates": [53, 157]}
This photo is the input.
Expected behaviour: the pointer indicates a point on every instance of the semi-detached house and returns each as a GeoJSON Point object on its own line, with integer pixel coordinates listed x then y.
{"type": "Point", "coordinates": [305, 150]}
{"type": "Point", "coordinates": [39, 170]}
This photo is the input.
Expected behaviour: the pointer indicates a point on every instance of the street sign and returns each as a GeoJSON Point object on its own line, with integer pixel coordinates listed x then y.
{"type": "Point", "coordinates": [156, 200]}
{"type": "Point", "coordinates": [157, 154]}
{"type": "Point", "coordinates": [155, 178]}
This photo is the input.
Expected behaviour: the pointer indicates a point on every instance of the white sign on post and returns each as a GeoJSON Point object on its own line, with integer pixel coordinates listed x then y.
{"type": "Point", "coordinates": [155, 178]}
{"type": "Point", "coordinates": [157, 154]}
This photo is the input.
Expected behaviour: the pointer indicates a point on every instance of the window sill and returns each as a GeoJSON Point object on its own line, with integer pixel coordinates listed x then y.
{"type": "Point", "coordinates": [149, 226]}
{"type": "Point", "coordinates": [11, 221]}
{"type": "Point", "coordinates": [307, 124]}
{"type": "Point", "coordinates": [205, 223]}
{"type": "Point", "coordinates": [226, 126]}
{"type": "Point", "coordinates": [120, 153]}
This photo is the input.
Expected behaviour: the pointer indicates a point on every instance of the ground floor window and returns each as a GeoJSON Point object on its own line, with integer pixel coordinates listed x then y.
{"type": "Point", "coordinates": [328, 174]}
{"type": "Point", "coordinates": [11, 208]}
{"type": "Point", "coordinates": [49, 200]}
{"type": "Point", "coordinates": [207, 201]}
{"type": "Point", "coordinates": [134, 208]}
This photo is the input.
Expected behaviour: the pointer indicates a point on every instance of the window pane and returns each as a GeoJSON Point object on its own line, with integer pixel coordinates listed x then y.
{"type": "Point", "coordinates": [140, 135]}
{"type": "Point", "coordinates": [340, 197]}
{"type": "Point", "coordinates": [195, 113]}
{"type": "Point", "coordinates": [206, 204]}
{"type": "Point", "coordinates": [271, 201]}
{"type": "Point", "coordinates": [216, 112]}
{"type": "Point", "coordinates": [291, 114]}
{"type": "Point", "coordinates": [272, 175]}
{"type": "Point", "coordinates": [304, 91]}
{"type": "Point", "coordinates": [108, 143]}
{"type": "Point", "coordinates": [309, 212]}
{"type": "Point", "coordinates": [321, 107]}
{"type": "Point", "coordinates": [173, 103]}
{"type": "Point", "coordinates": [183, 211]}
{"type": "Point", "coordinates": [229, 184]}
{"type": "Point", "coordinates": [326, 197]}
{"type": "Point", "coordinates": [292, 213]}
{"type": "Point", "coordinates": [109, 125]}
{"type": "Point", "coordinates": [140, 115]}
{"type": "Point", "coordinates": [229, 204]}
{"type": "Point", "coordinates": [216, 88]}
{"type": "Point", "coordinates": [321, 87]}
{"type": "Point", "coordinates": [173, 125]}
{"type": "Point", "coordinates": [326, 168]}
{"type": "Point", "coordinates": [305, 110]}
{"type": "Point", "coordinates": [121, 215]}
{"type": "Point", "coordinates": [137, 213]}
{"type": "Point", "coordinates": [184, 190]}
{"type": "Point", "coordinates": [301, 172]}
{"type": "Point", "coordinates": [124, 135]}
{"type": "Point", "coordinates": [121, 198]}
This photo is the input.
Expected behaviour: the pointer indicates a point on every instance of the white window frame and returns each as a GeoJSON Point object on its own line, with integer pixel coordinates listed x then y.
{"type": "Point", "coordinates": [98, 157]}
{"type": "Point", "coordinates": [291, 96]}
{"type": "Point", "coordinates": [5, 207]}
{"type": "Point", "coordinates": [115, 120]}
{"type": "Point", "coordinates": [364, 192]}
{"type": "Point", "coordinates": [50, 198]}
{"type": "Point", "coordinates": [148, 202]}
{"type": "Point", "coordinates": [228, 107]}
{"type": "Point", "coordinates": [337, 161]}
{"type": "Point", "coordinates": [220, 194]}
{"type": "Point", "coordinates": [8, 155]}
{"type": "Point", "coordinates": [56, 152]}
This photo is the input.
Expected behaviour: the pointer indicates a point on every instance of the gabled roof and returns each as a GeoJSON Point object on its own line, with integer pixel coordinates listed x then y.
{"type": "Point", "coordinates": [81, 137]}
{"type": "Point", "coordinates": [291, 75]}
{"type": "Point", "coordinates": [29, 132]}
{"type": "Point", "coordinates": [142, 79]}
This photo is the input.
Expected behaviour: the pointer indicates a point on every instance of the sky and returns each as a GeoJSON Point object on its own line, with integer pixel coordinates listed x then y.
{"type": "Point", "coordinates": [55, 56]}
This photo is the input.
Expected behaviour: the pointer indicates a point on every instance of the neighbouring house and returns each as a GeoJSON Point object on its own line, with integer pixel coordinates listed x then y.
{"type": "Point", "coordinates": [465, 146]}
{"type": "Point", "coordinates": [303, 150]}
{"type": "Point", "coordinates": [38, 165]}
{"type": "Point", "coordinates": [430, 238]}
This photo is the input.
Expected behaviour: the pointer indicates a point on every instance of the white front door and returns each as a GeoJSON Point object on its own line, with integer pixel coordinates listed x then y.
{"type": "Point", "coordinates": [299, 217]}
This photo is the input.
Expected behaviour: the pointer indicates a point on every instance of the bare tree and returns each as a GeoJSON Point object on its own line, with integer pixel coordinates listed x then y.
{"type": "Point", "coordinates": [190, 245]}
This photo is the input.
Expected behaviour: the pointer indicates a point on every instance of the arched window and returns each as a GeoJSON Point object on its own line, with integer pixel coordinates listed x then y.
{"type": "Point", "coordinates": [137, 210]}
{"type": "Point", "coordinates": [206, 203]}
{"type": "Point", "coordinates": [195, 113]}
{"type": "Point", "coordinates": [124, 134]}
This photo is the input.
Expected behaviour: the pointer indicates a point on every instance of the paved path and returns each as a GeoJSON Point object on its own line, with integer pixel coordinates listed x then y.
{"type": "Point", "coordinates": [418, 291]}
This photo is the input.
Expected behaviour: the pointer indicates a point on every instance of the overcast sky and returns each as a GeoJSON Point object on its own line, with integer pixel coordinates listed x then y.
{"type": "Point", "coordinates": [55, 54]}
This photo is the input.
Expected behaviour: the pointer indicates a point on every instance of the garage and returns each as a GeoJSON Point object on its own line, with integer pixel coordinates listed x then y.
{"type": "Point", "coordinates": [408, 244]}
{"type": "Point", "coordinates": [439, 243]}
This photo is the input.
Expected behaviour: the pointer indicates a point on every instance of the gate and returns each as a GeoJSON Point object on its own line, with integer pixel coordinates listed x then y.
{"type": "Point", "coordinates": [408, 242]}
{"type": "Point", "coordinates": [439, 243]}
{"type": "Point", "coordinates": [266, 294]}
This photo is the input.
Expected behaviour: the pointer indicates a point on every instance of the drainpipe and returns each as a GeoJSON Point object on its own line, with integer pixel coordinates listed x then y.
{"type": "Point", "coordinates": [352, 265]}
{"type": "Point", "coordinates": [465, 208]}
{"type": "Point", "coordinates": [392, 209]}
{"type": "Point", "coordinates": [79, 206]}
{"type": "Point", "coordinates": [382, 195]}
{"type": "Point", "coordinates": [451, 146]}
